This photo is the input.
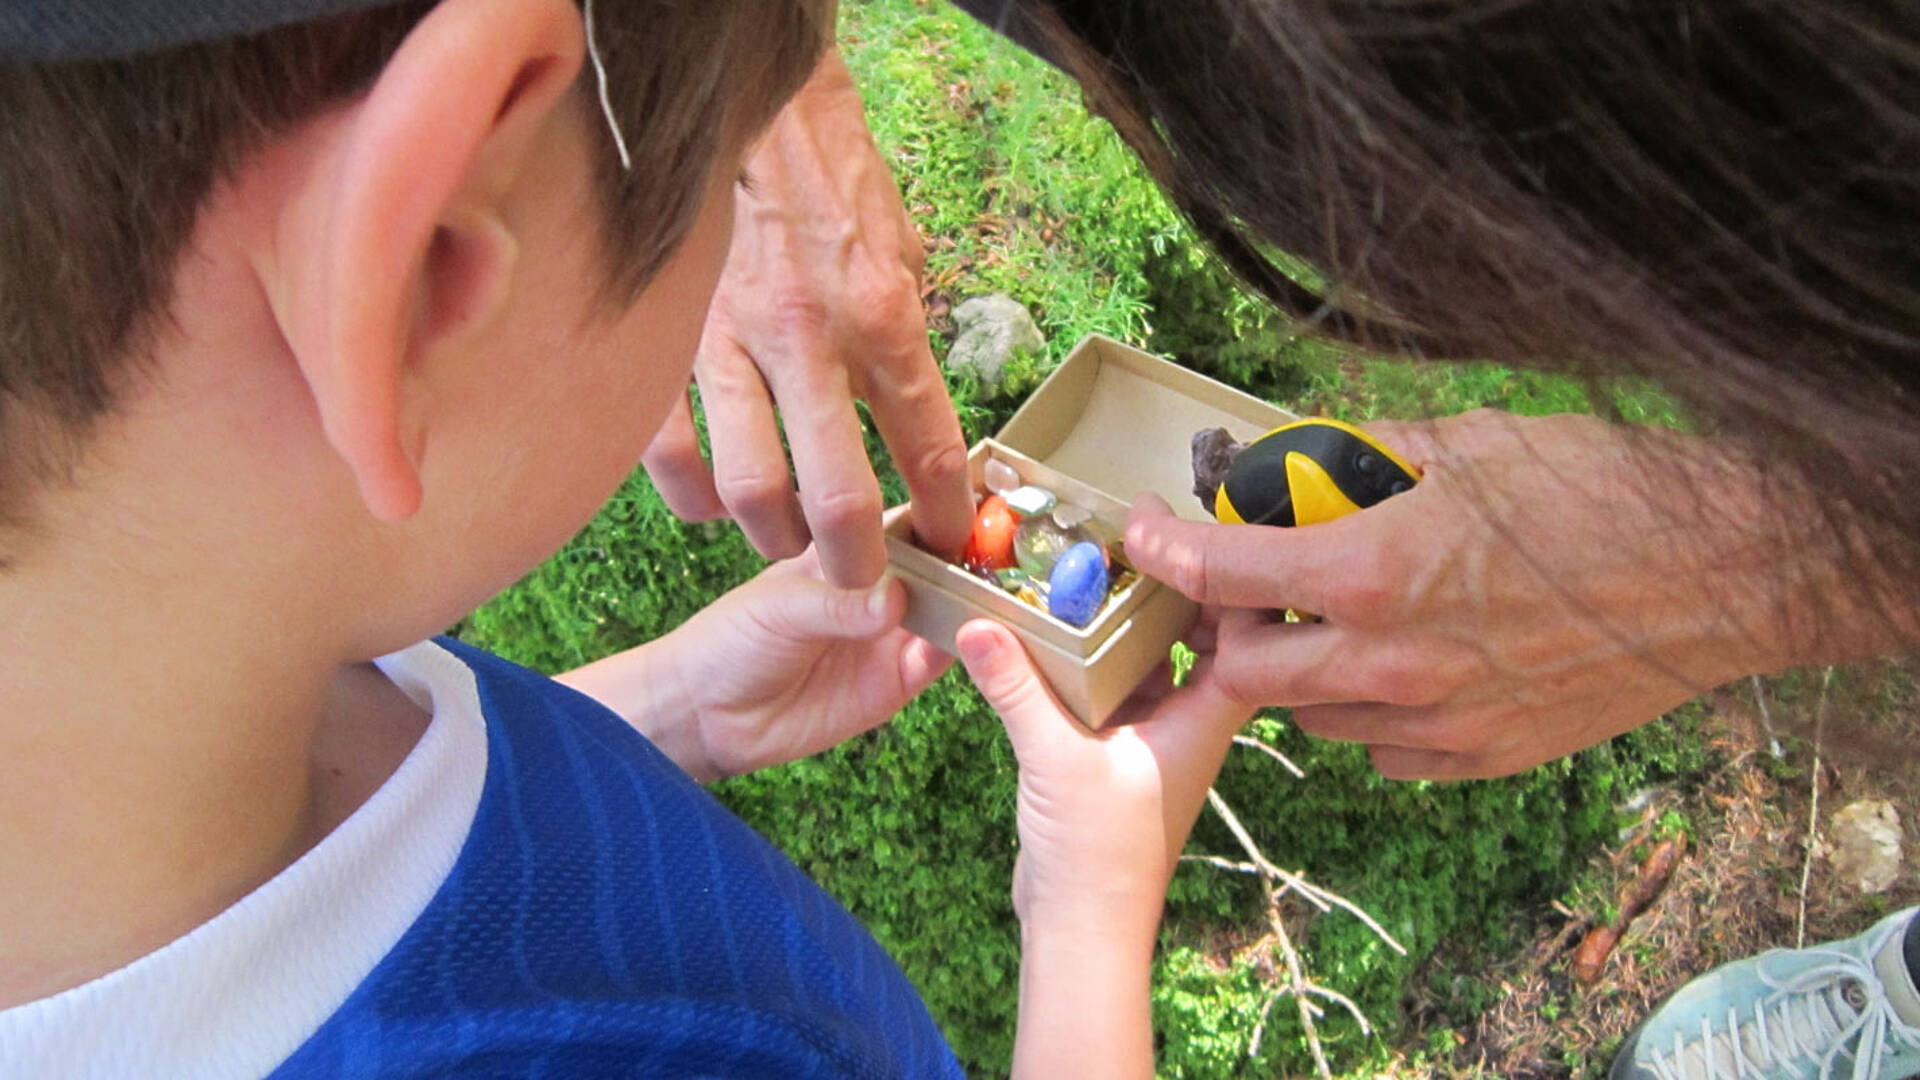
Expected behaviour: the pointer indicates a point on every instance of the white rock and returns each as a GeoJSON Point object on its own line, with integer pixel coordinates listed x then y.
{"type": "Point", "coordinates": [1030, 500]}
{"type": "Point", "coordinates": [990, 330]}
{"type": "Point", "coordinates": [1000, 477]}
{"type": "Point", "coordinates": [1864, 838]}
{"type": "Point", "coordinates": [1067, 515]}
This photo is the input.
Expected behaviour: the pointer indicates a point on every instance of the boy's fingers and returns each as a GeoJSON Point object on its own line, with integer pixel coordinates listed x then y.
{"type": "Point", "coordinates": [679, 472]}
{"type": "Point", "coordinates": [749, 464]}
{"type": "Point", "coordinates": [1230, 565]}
{"type": "Point", "coordinates": [1012, 685]}
{"type": "Point", "coordinates": [893, 672]}
{"type": "Point", "coordinates": [921, 662]}
{"type": "Point", "coordinates": [802, 607]}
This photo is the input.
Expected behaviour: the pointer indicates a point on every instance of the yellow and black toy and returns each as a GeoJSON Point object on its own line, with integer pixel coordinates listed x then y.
{"type": "Point", "coordinates": [1302, 473]}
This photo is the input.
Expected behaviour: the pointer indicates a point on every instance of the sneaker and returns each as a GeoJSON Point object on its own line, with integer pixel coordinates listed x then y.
{"type": "Point", "coordinates": [1846, 1008]}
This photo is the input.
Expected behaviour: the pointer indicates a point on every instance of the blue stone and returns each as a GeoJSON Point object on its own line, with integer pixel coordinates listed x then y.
{"type": "Point", "coordinates": [1077, 588]}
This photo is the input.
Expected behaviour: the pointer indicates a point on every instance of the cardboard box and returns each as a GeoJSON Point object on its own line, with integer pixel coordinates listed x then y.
{"type": "Point", "coordinates": [1108, 424]}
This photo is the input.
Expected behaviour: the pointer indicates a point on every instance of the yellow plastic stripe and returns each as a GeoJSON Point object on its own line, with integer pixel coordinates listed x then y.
{"type": "Point", "coordinates": [1223, 509]}
{"type": "Point", "coordinates": [1316, 498]}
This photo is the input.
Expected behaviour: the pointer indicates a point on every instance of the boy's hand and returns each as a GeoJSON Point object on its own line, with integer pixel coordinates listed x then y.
{"type": "Point", "coordinates": [819, 304]}
{"type": "Point", "coordinates": [1103, 815]}
{"type": "Point", "coordinates": [1102, 818]}
{"type": "Point", "coordinates": [787, 665]}
{"type": "Point", "coordinates": [780, 668]}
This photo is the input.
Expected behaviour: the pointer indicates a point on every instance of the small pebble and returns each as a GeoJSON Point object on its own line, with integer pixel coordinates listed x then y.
{"type": "Point", "coordinates": [1077, 588]}
{"type": "Point", "coordinates": [1038, 543]}
{"type": "Point", "coordinates": [1067, 515]}
{"type": "Point", "coordinates": [1031, 500]}
{"type": "Point", "coordinates": [1000, 477]}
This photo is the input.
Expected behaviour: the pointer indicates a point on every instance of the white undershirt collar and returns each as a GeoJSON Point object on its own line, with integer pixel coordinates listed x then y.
{"type": "Point", "coordinates": [240, 993]}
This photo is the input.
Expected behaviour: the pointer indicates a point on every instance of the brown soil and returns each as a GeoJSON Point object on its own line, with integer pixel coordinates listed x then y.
{"type": "Point", "coordinates": [1736, 892]}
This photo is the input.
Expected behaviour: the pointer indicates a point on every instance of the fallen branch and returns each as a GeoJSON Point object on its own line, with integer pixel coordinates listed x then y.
{"type": "Point", "coordinates": [1253, 743]}
{"type": "Point", "coordinates": [1813, 808]}
{"type": "Point", "coordinates": [1321, 898]}
{"type": "Point", "coordinates": [1276, 883]}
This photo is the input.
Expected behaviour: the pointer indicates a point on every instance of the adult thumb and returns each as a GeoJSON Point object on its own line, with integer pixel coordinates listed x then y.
{"type": "Point", "coordinates": [1012, 685]}
{"type": "Point", "coordinates": [1254, 566]}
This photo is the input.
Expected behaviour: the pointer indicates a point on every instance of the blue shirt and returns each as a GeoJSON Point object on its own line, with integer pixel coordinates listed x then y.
{"type": "Point", "coordinates": [607, 917]}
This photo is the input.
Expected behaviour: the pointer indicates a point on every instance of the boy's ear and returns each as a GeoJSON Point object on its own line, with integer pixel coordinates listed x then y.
{"type": "Point", "coordinates": [414, 247]}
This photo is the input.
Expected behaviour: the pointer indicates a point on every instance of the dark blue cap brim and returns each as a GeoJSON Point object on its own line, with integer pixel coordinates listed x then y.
{"type": "Point", "coordinates": [36, 31]}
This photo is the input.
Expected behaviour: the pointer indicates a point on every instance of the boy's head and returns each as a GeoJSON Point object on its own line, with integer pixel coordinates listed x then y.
{"type": "Point", "coordinates": [363, 289]}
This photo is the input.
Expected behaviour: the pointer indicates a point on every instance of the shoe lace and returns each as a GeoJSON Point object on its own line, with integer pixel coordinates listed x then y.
{"type": "Point", "coordinates": [1843, 1003]}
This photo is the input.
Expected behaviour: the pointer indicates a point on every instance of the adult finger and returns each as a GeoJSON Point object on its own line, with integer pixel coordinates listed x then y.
{"type": "Point", "coordinates": [1375, 723]}
{"type": "Point", "coordinates": [839, 495]}
{"type": "Point", "coordinates": [1416, 763]}
{"type": "Point", "coordinates": [1294, 664]}
{"type": "Point", "coordinates": [915, 416]}
{"type": "Point", "coordinates": [1233, 565]}
{"type": "Point", "coordinates": [749, 464]}
{"type": "Point", "coordinates": [678, 470]}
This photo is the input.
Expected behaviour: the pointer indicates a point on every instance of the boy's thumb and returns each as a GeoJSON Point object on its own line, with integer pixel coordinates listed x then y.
{"type": "Point", "coordinates": [1010, 683]}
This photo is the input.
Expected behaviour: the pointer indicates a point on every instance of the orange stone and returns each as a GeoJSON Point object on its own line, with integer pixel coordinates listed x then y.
{"type": "Point", "coordinates": [991, 545]}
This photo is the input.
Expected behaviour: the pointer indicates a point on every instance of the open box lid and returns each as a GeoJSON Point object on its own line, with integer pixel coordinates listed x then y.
{"type": "Point", "coordinates": [1122, 421]}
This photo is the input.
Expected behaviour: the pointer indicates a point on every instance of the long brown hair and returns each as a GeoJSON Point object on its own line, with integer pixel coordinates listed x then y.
{"type": "Point", "coordinates": [1723, 197]}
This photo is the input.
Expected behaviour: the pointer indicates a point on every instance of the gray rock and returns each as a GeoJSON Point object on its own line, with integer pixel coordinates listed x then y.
{"type": "Point", "coordinates": [1864, 844]}
{"type": "Point", "coordinates": [992, 328]}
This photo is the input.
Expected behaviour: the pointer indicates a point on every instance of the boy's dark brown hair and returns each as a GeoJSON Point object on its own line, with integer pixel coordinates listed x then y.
{"type": "Point", "coordinates": [104, 165]}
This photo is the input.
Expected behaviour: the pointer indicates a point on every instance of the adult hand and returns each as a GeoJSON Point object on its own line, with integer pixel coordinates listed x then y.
{"type": "Point", "coordinates": [819, 304]}
{"type": "Point", "coordinates": [780, 668]}
{"type": "Point", "coordinates": [1102, 818]}
{"type": "Point", "coordinates": [1550, 583]}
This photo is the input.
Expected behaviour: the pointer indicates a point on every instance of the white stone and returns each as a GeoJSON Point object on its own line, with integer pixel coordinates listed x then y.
{"type": "Point", "coordinates": [1030, 500]}
{"type": "Point", "coordinates": [1000, 477]}
{"type": "Point", "coordinates": [1864, 838]}
{"type": "Point", "coordinates": [991, 329]}
{"type": "Point", "coordinates": [1067, 515]}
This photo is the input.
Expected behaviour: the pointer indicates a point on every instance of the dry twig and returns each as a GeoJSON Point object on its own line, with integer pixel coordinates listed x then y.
{"type": "Point", "coordinates": [1276, 883]}
{"type": "Point", "coordinates": [1766, 717]}
{"type": "Point", "coordinates": [1813, 808]}
{"type": "Point", "coordinates": [1285, 761]}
